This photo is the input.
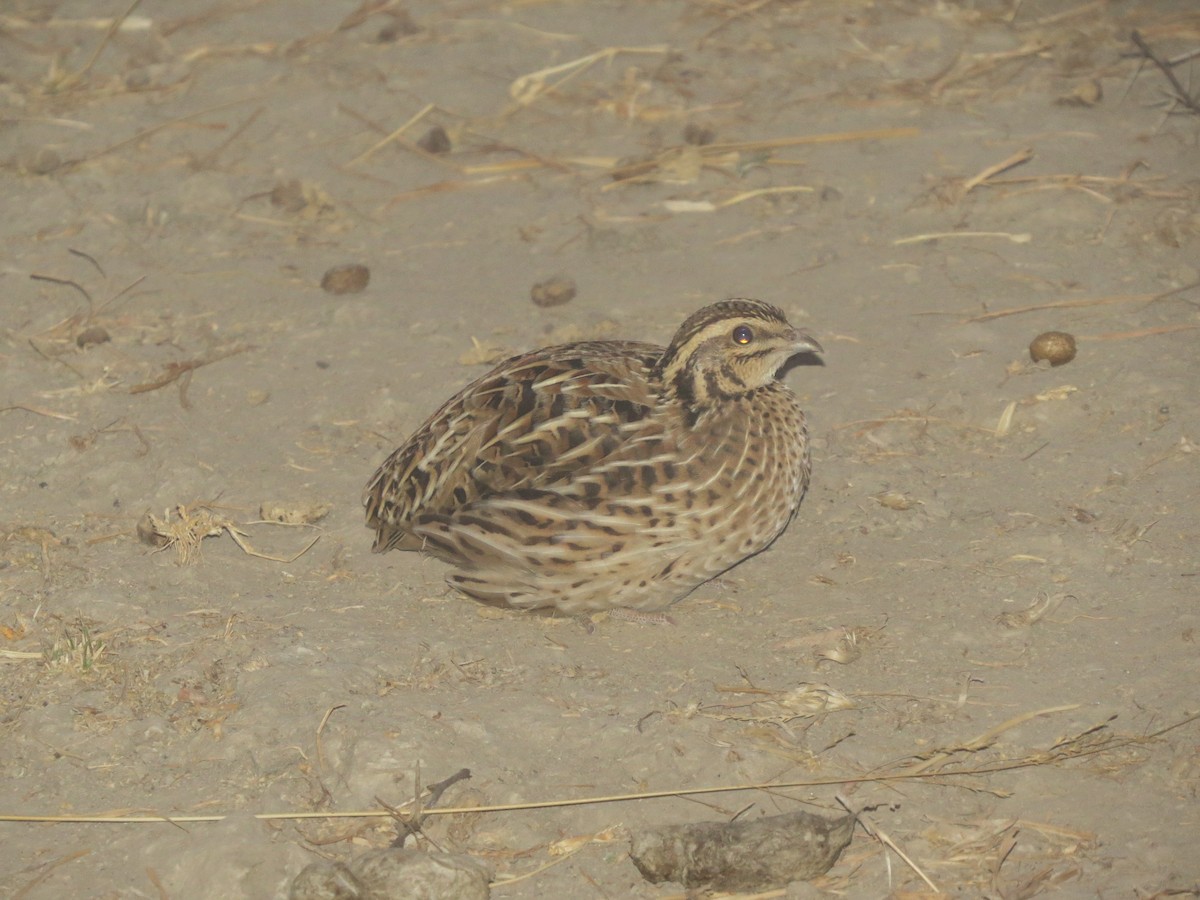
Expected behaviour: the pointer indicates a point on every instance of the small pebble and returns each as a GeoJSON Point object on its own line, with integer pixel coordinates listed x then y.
{"type": "Point", "coordinates": [553, 291]}
{"type": "Point", "coordinates": [1056, 347]}
{"type": "Point", "coordinates": [348, 279]}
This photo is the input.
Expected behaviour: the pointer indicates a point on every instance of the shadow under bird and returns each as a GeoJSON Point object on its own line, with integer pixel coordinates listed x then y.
{"type": "Point", "coordinates": [607, 474]}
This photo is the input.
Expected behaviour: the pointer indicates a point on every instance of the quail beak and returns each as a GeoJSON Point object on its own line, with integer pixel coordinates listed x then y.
{"type": "Point", "coordinates": [803, 342]}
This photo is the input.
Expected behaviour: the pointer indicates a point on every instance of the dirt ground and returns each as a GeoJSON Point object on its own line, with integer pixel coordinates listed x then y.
{"type": "Point", "coordinates": [982, 628]}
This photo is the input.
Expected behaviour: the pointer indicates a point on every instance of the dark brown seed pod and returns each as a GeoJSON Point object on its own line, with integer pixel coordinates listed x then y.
{"type": "Point", "coordinates": [553, 292]}
{"type": "Point", "coordinates": [93, 334]}
{"type": "Point", "coordinates": [1056, 347]}
{"type": "Point", "coordinates": [348, 279]}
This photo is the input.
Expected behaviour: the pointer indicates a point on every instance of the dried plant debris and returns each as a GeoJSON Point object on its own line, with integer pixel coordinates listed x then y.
{"type": "Point", "coordinates": [293, 513]}
{"type": "Point", "coordinates": [742, 856]}
{"type": "Point", "coordinates": [191, 525]}
{"type": "Point", "coordinates": [484, 353]}
{"type": "Point", "coordinates": [1181, 96]}
{"type": "Point", "coordinates": [395, 874]}
{"type": "Point", "coordinates": [1042, 607]}
{"type": "Point", "coordinates": [778, 708]}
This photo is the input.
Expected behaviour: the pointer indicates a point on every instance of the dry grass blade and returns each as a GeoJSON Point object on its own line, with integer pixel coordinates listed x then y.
{"type": "Point", "coordinates": [1017, 159]}
{"type": "Point", "coordinates": [1019, 238]}
{"type": "Point", "coordinates": [1006, 419]}
{"type": "Point", "coordinates": [38, 411]}
{"type": "Point", "coordinates": [1089, 742]}
{"type": "Point", "coordinates": [154, 129]}
{"type": "Point", "coordinates": [528, 88]}
{"type": "Point", "coordinates": [1138, 333]}
{"type": "Point", "coordinates": [392, 136]}
{"type": "Point", "coordinates": [874, 831]}
{"type": "Point", "coordinates": [986, 739]}
{"type": "Point", "coordinates": [832, 137]}
{"type": "Point", "coordinates": [1060, 304]}
{"type": "Point", "coordinates": [69, 80]}
{"type": "Point", "coordinates": [982, 63]}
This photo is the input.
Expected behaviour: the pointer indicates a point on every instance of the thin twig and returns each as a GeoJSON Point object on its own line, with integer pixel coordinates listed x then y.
{"type": "Point", "coordinates": [1001, 765]}
{"type": "Point", "coordinates": [38, 411]}
{"type": "Point", "coordinates": [1181, 93]}
{"type": "Point", "coordinates": [113, 28]}
{"type": "Point", "coordinates": [209, 158]}
{"type": "Point", "coordinates": [1018, 158]}
{"type": "Point", "coordinates": [1060, 304]}
{"type": "Point", "coordinates": [176, 370]}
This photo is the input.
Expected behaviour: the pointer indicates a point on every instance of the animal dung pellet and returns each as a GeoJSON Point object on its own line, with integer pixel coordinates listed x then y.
{"type": "Point", "coordinates": [553, 291]}
{"type": "Point", "coordinates": [436, 141]}
{"type": "Point", "coordinates": [93, 334]}
{"type": "Point", "coordinates": [753, 855]}
{"type": "Point", "coordinates": [348, 279]}
{"type": "Point", "coordinates": [1056, 347]}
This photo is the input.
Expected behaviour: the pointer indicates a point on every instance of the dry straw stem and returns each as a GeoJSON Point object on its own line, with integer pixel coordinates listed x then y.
{"type": "Point", "coordinates": [1018, 158]}
{"type": "Point", "coordinates": [1062, 304]}
{"type": "Point", "coordinates": [70, 80]}
{"type": "Point", "coordinates": [154, 129]}
{"type": "Point", "coordinates": [684, 162]}
{"type": "Point", "coordinates": [1021, 238]}
{"type": "Point", "coordinates": [38, 411]}
{"type": "Point", "coordinates": [1138, 333]}
{"type": "Point", "coordinates": [832, 137]}
{"type": "Point", "coordinates": [530, 87]}
{"type": "Point", "coordinates": [656, 169]}
{"type": "Point", "coordinates": [1071, 747]}
{"type": "Point", "coordinates": [1181, 95]}
{"type": "Point", "coordinates": [874, 831]}
{"type": "Point", "coordinates": [981, 63]}
{"type": "Point", "coordinates": [392, 136]}
{"type": "Point", "coordinates": [1087, 184]}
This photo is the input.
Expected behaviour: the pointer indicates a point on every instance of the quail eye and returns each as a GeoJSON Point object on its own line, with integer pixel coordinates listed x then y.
{"type": "Point", "coordinates": [742, 335]}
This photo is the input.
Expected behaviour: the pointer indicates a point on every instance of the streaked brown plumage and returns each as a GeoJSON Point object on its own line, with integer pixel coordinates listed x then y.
{"type": "Point", "coordinates": [607, 474]}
